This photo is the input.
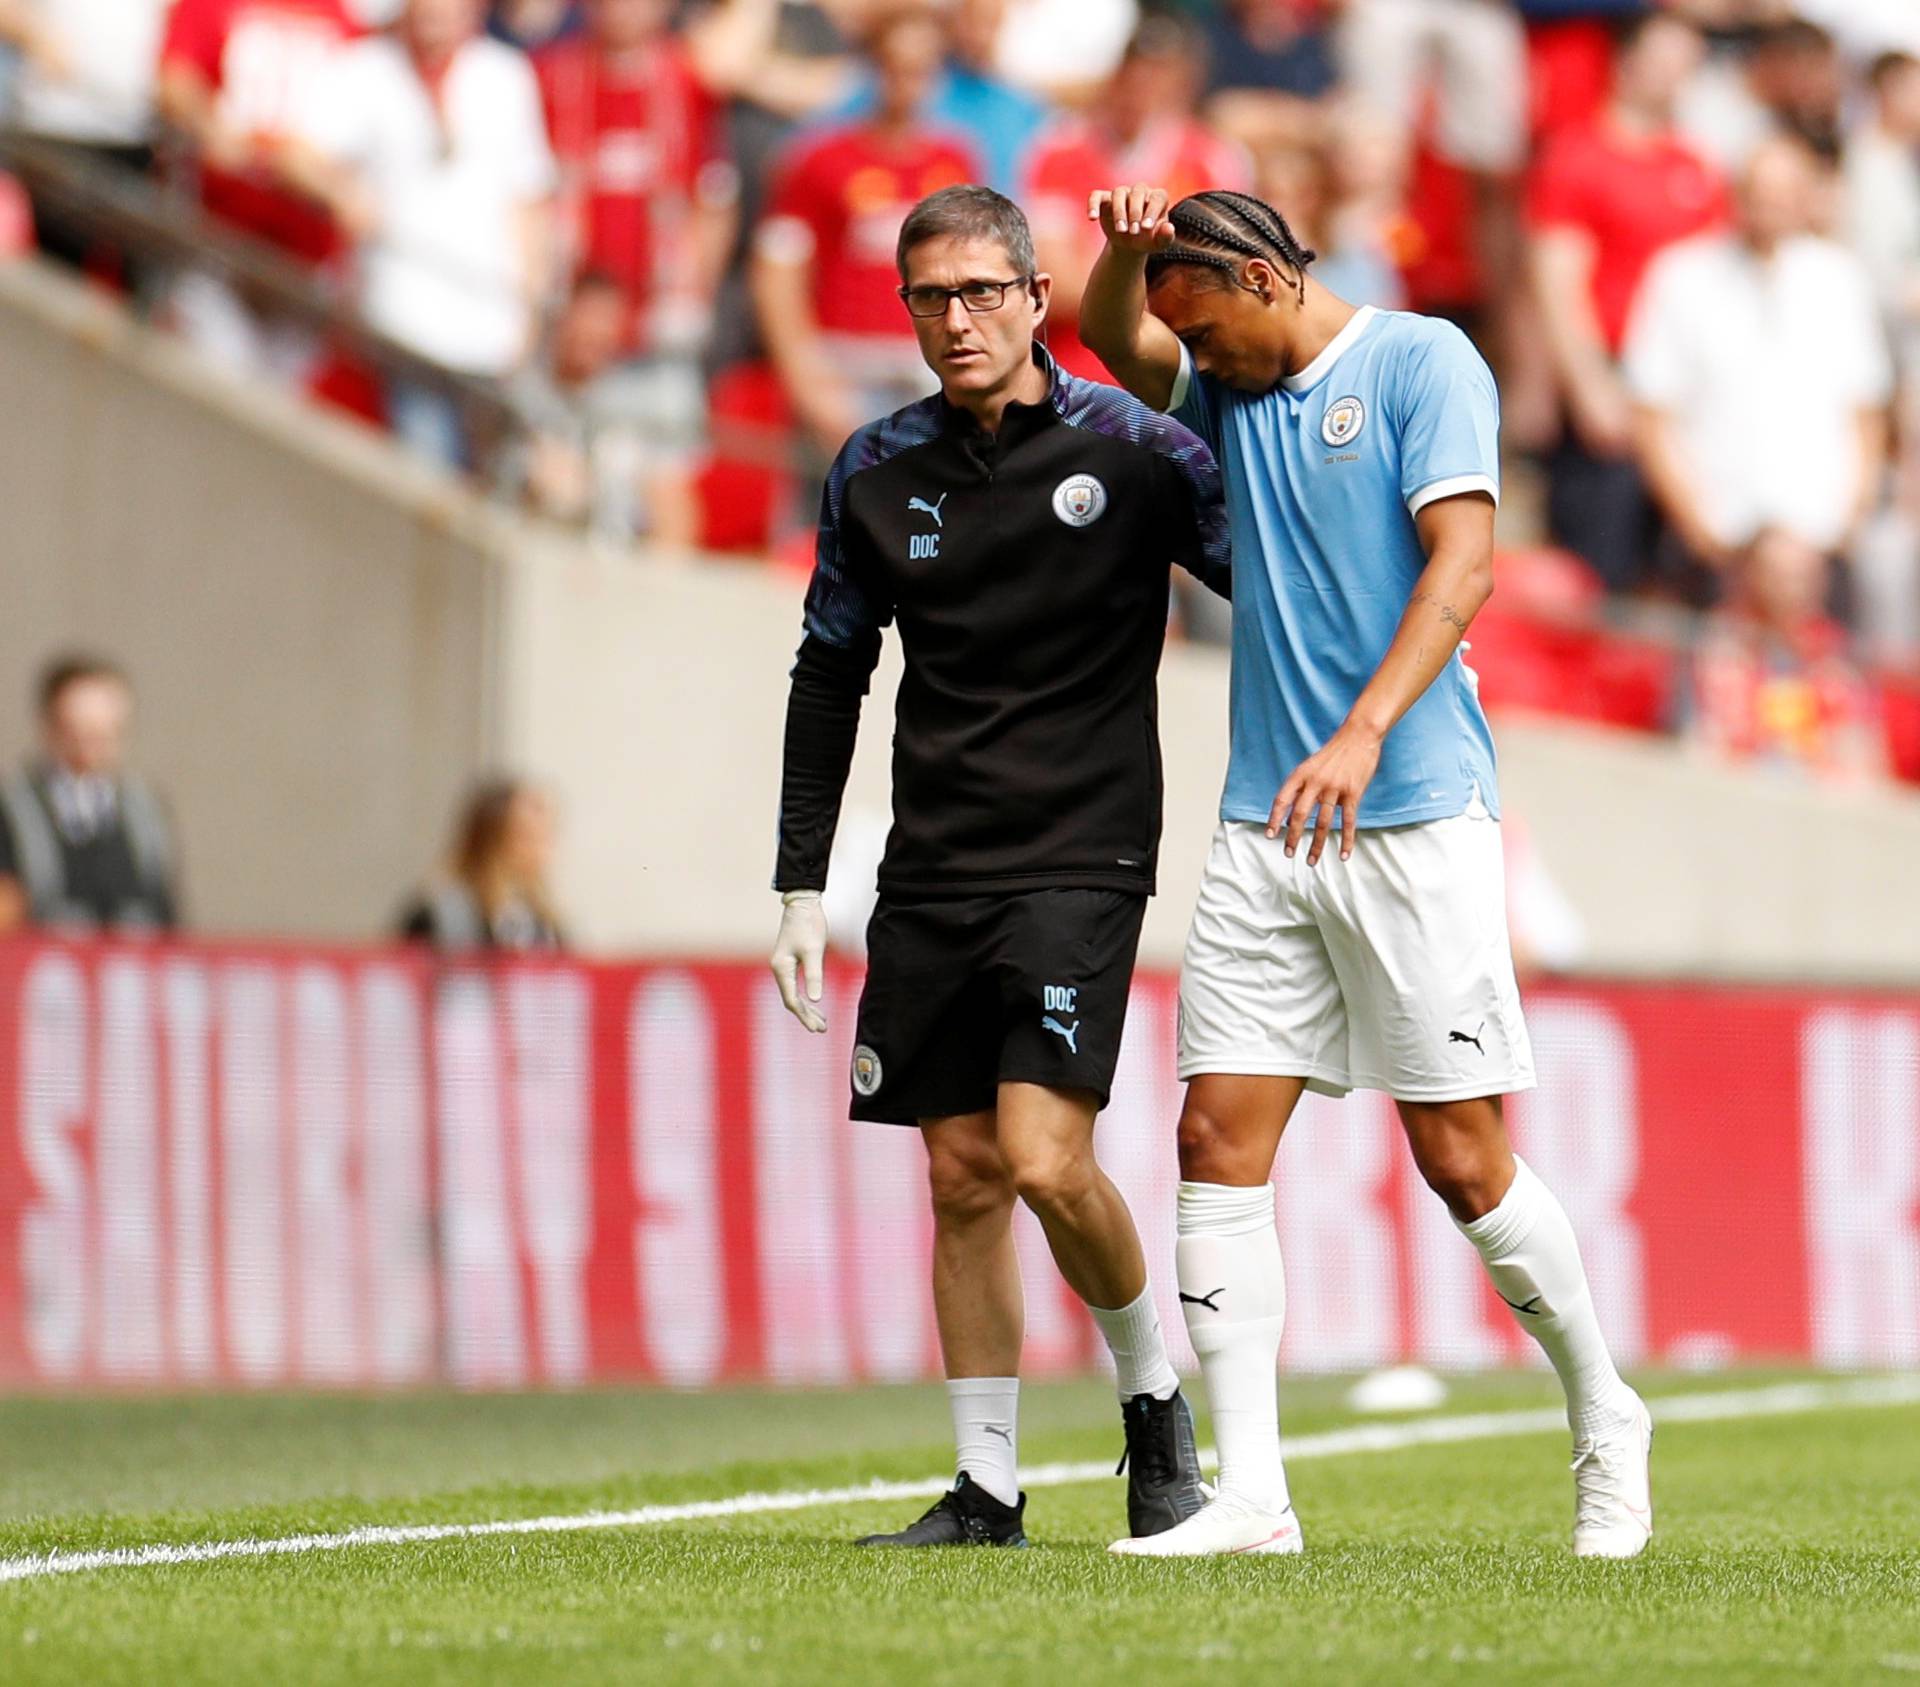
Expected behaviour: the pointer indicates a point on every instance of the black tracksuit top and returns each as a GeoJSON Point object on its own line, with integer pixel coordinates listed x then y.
{"type": "Point", "coordinates": [1028, 571]}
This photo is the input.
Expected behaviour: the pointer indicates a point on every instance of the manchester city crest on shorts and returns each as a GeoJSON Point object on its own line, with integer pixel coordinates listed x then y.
{"type": "Point", "coordinates": [866, 1070]}
{"type": "Point", "coordinates": [1080, 500]}
{"type": "Point", "coordinates": [1344, 419]}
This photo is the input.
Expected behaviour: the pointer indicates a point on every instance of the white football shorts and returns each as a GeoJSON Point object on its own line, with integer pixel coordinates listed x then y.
{"type": "Point", "coordinates": [1391, 971]}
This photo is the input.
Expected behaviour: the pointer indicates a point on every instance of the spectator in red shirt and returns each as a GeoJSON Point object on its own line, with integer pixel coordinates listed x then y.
{"type": "Point", "coordinates": [1771, 679]}
{"type": "Point", "coordinates": [648, 201]}
{"type": "Point", "coordinates": [823, 269]}
{"type": "Point", "coordinates": [1141, 129]}
{"type": "Point", "coordinates": [1603, 201]}
{"type": "Point", "coordinates": [645, 192]}
{"type": "Point", "coordinates": [232, 76]}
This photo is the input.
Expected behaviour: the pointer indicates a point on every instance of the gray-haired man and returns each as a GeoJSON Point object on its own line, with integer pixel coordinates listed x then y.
{"type": "Point", "coordinates": [1020, 527]}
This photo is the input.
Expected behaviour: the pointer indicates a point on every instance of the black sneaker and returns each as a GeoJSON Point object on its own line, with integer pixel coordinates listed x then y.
{"type": "Point", "coordinates": [967, 1516]}
{"type": "Point", "coordinates": [1162, 1464]}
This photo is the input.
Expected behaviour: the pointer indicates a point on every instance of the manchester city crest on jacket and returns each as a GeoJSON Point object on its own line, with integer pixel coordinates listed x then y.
{"type": "Point", "coordinates": [1080, 500]}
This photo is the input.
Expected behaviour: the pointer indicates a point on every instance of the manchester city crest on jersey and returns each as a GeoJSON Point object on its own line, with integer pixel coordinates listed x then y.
{"type": "Point", "coordinates": [1343, 421]}
{"type": "Point", "coordinates": [1080, 500]}
{"type": "Point", "coordinates": [866, 1070]}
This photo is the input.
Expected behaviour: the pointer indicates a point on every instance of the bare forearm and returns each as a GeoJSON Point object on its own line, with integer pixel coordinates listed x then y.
{"type": "Point", "coordinates": [536, 229]}
{"type": "Point", "coordinates": [735, 55]}
{"type": "Point", "coordinates": [729, 40]}
{"type": "Point", "coordinates": [1116, 327]}
{"type": "Point", "coordinates": [780, 299]}
{"type": "Point", "coordinates": [716, 225]}
{"type": "Point", "coordinates": [22, 27]}
{"type": "Point", "coordinates": [1451, 590]}
{"type": "Point", "coordinates": [309, 171]}
{"type": "Point", "coordinates": [1664, 467]}
{"type": "Point", "coordinates": [1561, 269]}
{"type": "Point", "coordinates": [1874, 437]}
{"type": "Point", "coordinates": [185, 101]}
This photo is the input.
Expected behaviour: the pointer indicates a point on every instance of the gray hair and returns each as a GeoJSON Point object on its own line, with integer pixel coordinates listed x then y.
{"type": "Point", "coordinates": [969, 212]}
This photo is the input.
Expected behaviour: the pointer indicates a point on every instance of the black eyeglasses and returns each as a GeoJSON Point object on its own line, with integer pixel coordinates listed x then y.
{"type": "Point", "coordinates": [978, 296]}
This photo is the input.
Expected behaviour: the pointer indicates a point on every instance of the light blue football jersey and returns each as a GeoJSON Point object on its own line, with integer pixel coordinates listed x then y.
{"type": "Point", "coordinates": [1324, 475]}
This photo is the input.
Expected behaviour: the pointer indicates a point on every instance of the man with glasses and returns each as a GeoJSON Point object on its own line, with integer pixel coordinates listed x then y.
{"type": "Point", "coordinates": [1020, 527]}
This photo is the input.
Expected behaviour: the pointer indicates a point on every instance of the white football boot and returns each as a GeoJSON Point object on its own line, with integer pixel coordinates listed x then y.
{"type": "Point", "coordinates": [1612, 1491]}
{"type": "Point", "coordinates": [1223, 1526]}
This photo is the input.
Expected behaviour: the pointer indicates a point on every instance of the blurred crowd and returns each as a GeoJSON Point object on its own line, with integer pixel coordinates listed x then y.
{"type": "Point", "coordinates": [1687, 235]}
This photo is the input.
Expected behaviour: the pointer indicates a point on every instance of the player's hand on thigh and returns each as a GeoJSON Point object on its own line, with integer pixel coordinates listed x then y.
{"type": "Point", "coordinates": [1333, 778]}
{"type": "Point", "coordinates": [1133, 217]}
{"type": "Point", "coordinates": [800, 956]}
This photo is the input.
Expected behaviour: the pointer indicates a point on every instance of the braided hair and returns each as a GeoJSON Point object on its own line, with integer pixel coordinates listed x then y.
{"type": "Point", "coordinates": [1221, 230]}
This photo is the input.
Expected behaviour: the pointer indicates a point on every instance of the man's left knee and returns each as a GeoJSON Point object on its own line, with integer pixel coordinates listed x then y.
{"type": "Point", "coordinates": [1053, 1178]}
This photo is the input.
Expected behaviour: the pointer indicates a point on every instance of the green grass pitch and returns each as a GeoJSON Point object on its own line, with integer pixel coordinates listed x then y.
{"type": "Point", "coordinates": [1789, 1549]}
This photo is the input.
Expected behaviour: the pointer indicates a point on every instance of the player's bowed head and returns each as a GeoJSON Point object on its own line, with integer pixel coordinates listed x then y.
{"type": "Point", "coordinates": [976, 297]}
{"type": "Point", "coordinates": [1225, 273]}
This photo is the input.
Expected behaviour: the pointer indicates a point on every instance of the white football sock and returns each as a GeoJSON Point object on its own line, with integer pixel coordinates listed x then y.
{"type": "Point", "coordinates": [1534, 1261]}
{"type": "Point", "coordinates": [1140, 1362]}
{"type": "Point", "coordinates": [986, 1421]}
{"type": "Point", "coordinates": [1233, 1290]}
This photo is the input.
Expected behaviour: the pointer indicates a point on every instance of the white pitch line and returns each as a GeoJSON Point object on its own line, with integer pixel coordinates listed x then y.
{"type": "Point", "coordinates": [1771, 1401]}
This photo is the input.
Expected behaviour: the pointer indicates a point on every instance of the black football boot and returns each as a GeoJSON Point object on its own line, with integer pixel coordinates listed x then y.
{"type": "Point", "coordinates": [1162, 1464]}
{"type": "Point", "coordinates": [966, 1516]}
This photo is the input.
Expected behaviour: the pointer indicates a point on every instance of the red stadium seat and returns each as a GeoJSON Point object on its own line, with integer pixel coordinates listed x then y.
{"type": "Point", "coordinates": [1900, 699]}
{"type": "Point", "coordinates": [740, 493]}
{"type": "Point", "coordinates": [345, 383]}
{"type": "Point", "coordinates": [1539, 645]}
{"type": "Point", "coordinates": [16, 219]}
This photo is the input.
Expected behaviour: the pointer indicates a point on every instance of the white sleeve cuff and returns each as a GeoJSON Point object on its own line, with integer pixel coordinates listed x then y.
{"type": "Point", "coordinates": [1182, 381]}
{"type": "Point", "coordinates": [1452, 487]}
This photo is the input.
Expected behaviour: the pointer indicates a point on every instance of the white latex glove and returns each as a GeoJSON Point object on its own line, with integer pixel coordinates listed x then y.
{"type": "Point", "coordinates": [801, 948]}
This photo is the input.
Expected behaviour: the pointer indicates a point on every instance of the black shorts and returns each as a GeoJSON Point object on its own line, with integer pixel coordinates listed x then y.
{"type": "Point", "coordinates": [964, 993]}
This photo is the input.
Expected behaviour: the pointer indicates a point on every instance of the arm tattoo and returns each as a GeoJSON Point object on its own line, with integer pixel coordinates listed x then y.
{"type": "Point", "coordinates": [1447, 612]}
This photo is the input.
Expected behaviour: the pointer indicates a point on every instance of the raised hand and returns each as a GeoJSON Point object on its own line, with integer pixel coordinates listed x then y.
{"type": "Point", "coordinates": [1134, 219]}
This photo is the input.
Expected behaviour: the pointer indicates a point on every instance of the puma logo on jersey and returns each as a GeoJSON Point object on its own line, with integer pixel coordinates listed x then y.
{"type": "Point", "coordinates": [1068, 1035]}
{"type": "Point", "coordinates": [932, 509]}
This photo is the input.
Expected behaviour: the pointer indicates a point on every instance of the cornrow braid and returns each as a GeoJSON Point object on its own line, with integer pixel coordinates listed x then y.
{"type": "Point", "coordinates": [1219, 229]}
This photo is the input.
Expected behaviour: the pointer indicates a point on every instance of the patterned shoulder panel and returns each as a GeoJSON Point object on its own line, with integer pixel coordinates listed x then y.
{"type": "Point", "coordinates": [838, 611]}
{"type": "Point", "coordinates": [1115, 414]}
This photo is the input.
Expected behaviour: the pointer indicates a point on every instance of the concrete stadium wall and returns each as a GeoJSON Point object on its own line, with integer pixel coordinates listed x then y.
{"type": "Point", "coordinates": [308, 619]}
{"type": "Point", "coordinates": [329, 641]}
{"type": "Point", "coordinates": [653, 696]}
{"type": "Point", "coordinates": [1680, 865]}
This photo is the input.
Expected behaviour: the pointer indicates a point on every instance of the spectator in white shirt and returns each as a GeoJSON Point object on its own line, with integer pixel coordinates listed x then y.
{"type": "Point", "coordinates": [430, 147]}
{"type": "Point", "coordinates": [1883, 227]}
{"type": "Point", "coordinates": [1065, 50]}
{"type": "Point", "coordinates": [1787, 76]}
{"type": "Point", "coordinates": [1883, 198]}
{"type": "Point", "coordinates": [87, 68]}
{"type": "Point", "coordinates": [1761, 378]}
{"type": "Point", "coordinates": [85, 85]}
